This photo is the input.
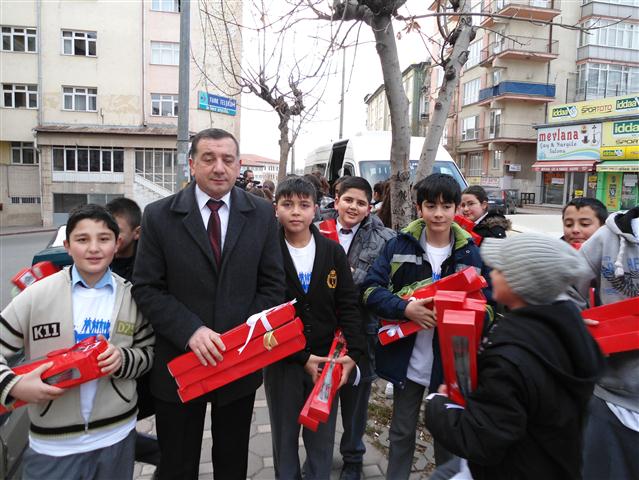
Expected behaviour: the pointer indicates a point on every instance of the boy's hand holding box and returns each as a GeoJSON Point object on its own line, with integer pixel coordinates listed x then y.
{"type": "Point", "coordinates": [264, 338]}
{"type": "Point", "coordinates": [71, 366]}
{"type": "Point", "coordinates": [618, 328]}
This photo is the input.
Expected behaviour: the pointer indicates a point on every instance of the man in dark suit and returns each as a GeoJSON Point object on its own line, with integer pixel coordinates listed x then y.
{"type": "Point", "coordinates": [207, 259]}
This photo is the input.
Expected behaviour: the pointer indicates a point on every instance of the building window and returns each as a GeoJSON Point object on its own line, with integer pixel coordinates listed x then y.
{"type": "Point", "coordinates": [496, 159]}
{"type": "Point", "coordinates": [462, 161]}
{"type": "Point", "coordinates": [79, 43]}
{"type": "Point", "coordinates": [165, 5]}
{"type": "Point", "coordinates": [610, 33]}
{"type": "Point", "coordinates": [80, 99]}
{"type": "Point", "coordinates": [157, 165]}
{"type": "Point", "coordinates": [164, 105]}
{"type": "Point", "coordinates": [476, 8]}
{"type": "Point", "coordinates": [475, 161]}
{"type": "Point", "coordinates": [88, 159]}
{"type": "Point", "coordinates": [25, 200]}
{"type": "Point", "coordinates": [474, 52]}
{"type": "Point", "coordinates": [599, 80]}
{"type": "Point", "coordinates": [20, 96]}
{"type": "Point", "coordinates": [23, 153]}
{"type": "Point", "coordinates": [471, 91]}
{"type": "Point", "coordinates": [470, 128]}
{"type": "Point", "coordinates": [18, 39]}
{"type": "Point", "coordinates": [165, 53]}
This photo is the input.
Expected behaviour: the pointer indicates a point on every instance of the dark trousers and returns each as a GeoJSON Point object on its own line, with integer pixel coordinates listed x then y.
{"type": "Point", "coordinates": [180, 428]}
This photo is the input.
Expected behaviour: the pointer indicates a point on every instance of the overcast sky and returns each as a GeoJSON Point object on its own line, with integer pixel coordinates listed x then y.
{"type": "Point", "coordinates": [259, 133]}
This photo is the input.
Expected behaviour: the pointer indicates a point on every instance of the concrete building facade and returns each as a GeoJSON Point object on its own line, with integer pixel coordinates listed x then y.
{"type": "Point", "coordinates": [90, 103]}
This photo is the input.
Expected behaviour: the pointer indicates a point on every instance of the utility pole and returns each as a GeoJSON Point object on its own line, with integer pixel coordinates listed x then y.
{"type": "Point", "coordinates": [181, 175]}
{"type": "Point", "coordinates": [341, 97]}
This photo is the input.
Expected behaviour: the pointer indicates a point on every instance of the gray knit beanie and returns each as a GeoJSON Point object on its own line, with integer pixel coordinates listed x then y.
{"type": "Point", "coordinates": [537, 267]}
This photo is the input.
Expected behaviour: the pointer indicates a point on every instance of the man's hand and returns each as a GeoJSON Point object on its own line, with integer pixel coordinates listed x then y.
{"type": "Point", "coordinates": [590, 323]}
{"type": "Point", "coordinates": [347, 366]}
{"type": "Point", "coordinates": [443, 389]}
{"type": "Point", "coordinates": [111, 359]}
{"type": "Point", "coordinates": [207, 345]}
{"type": "Point", "coordinates": [312, 366]}
{"type": "Point", "coordinates": [417, 312]}
{"type": "Point", "coordinates": [31, 389]}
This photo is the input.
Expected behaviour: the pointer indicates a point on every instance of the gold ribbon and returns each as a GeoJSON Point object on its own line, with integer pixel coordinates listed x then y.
{"type": "Point", "coordinates": [269, 340]}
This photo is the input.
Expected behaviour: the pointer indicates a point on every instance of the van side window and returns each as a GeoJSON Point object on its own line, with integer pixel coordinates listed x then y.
{"type": "Point", "coordinates": [349, 170]}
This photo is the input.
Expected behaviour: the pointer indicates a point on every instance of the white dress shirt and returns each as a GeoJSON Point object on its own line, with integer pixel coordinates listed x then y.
{"type": "Point", "coordinates": [345, 239]}
{"type": "Point", "coordinates": [224, 211]}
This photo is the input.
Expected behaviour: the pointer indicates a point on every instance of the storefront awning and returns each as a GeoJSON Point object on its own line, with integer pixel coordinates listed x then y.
{"type": "Point", "coordinates": [565, 166]}
{"type": "Point", "coordinates": [619, 166]}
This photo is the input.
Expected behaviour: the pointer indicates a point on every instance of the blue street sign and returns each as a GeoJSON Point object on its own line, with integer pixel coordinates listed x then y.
{"type": "Point", "coordinates": [215, 103]}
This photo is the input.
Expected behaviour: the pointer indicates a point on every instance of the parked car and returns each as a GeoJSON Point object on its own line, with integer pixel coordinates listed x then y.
{"type": "Point", "coordinates": [502, 201]}
{"type": "Point", "coordinates": [14, 436]}
{"type": "Point", "coordinates": [54, 251]}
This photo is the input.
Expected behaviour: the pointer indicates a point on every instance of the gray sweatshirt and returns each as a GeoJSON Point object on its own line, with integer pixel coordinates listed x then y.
{"type": "Point", "coordinates": [613, 256]}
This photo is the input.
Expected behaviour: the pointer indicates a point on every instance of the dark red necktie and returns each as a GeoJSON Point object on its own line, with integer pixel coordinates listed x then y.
{"type": "Point", "coordinates": [214, 229]}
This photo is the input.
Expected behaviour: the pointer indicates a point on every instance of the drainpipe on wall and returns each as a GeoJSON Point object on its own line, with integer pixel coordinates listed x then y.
{"type": "Point", "coordinates": [142, 96]}
{"type": "Point", "coordinates": [40, 116]}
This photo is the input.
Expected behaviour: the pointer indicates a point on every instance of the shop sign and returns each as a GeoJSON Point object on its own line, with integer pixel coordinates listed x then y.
{"type": "Point", "coordinates": [473, 180]}
{"type": "Point", "coordinates": [489, 181]}
{"type": "Point", "coordinates": [514, 167]}
{"type": "Point", "coordinates": [215, 103]}
{"type": "Point", "coordinates": [606, 107]}
{"type": "Point", "coordinates": [613, 153]}
{"type": "Point", "coordinates": [630, 180]}
{"type": "Point", "coordinates": [575, 142]}
{"type": "Point", "coordinates": [620, 134]}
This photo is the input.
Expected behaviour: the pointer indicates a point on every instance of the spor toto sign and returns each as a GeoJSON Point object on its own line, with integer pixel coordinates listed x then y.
{"type": "Point", "coordinates": [575, 142]}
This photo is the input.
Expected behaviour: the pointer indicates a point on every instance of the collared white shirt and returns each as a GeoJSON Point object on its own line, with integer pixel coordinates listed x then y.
{"type": "Point", "coordinates": [345, 239]}
{"type": "Point", "coordinates": [224, 211]}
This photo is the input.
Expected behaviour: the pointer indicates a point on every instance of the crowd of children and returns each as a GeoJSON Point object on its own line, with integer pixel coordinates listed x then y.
{"type": "Point", "coordinates": [537, 364]}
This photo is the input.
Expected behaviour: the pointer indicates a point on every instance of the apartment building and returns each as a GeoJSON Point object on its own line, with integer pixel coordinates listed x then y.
{"type": "Point", "coordinates": [90, 103]}
{"type": "Point", "coordinates": [264, 168]}
{"type": "Point", "coordinates": [416, 78]}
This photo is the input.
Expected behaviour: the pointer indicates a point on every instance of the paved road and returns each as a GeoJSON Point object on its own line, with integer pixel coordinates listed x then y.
{"type": "Point", "coordinates": [16, 252]}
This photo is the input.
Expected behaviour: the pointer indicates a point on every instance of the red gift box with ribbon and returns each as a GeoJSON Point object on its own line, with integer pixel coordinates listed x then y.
{"type": "Point", "coordinates": [469, 226]}
{"type": "Point", "coordinates": [467, 281]}
{"type": "Point", "coordinates": [260, 352]}
{"type": "Point", "coordinates": [618, 328]}
{"type": "Point", "coordinates": [71, 366]}
{"type": "Point", "coordinates": [328, 228]}
{"type": "Point", "coordinates": [28, 276]}
{"type": "Point", "coordinates": [318, 405]}
{"type": "Point", "coordinates": [458, 344]}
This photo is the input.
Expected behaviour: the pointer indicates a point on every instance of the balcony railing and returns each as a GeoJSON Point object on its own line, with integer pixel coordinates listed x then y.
{"type": "Point", "coordinates": [529, 9]}
{"type": "Point", "coordinates": [517, 47]}
{"type": "Point", "coordinates": [508, 132]}
{"type": "Point", "coordinates": [613, 54]}
{"type": "Point", "coordinates": [591, 8]}
{"type": "Point", "coordinates": [530, 91]}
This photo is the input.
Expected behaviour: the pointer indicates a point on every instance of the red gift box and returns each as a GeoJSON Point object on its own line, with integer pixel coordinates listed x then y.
{"type": "Point", "coordinates": [328, 228]}
{"type": "Point", "coordinates": [618, 328]}
{"type": "Point", "coordinates": [30, 275]}
{"type": "Point", "coordinates": [71, 366]}
{"type": "Point", "coordinates": [392, 331]}
{"type": "Point", "coordinates": [260, 352]}
{"type": "Point", "coordinates": [239, 336]}
{"type": "Point", "coordinates": [458, 344]}
{"type": "Point", "coordinates": [469, 226]}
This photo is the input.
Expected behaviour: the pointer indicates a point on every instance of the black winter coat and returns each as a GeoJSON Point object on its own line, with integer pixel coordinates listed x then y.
{"type": "Point", "coordinates": [536, 372]}
{"type": "Point", "coordinates": [493, 225]}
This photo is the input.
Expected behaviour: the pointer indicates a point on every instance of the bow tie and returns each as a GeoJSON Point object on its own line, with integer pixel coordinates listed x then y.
{"type": "Point", "coordinates": [345, 231]}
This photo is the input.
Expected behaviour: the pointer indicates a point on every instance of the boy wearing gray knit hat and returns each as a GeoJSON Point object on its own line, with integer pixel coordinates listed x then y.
{"type": "Point", "coordinates": [536, 370]}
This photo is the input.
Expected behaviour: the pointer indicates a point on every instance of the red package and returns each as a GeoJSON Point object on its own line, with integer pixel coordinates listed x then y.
{"type": "Point", "coordinates": [239, 336]}
{"type": "Point", "coordinates": [305, 418]}
{"type": "Point", "coordinates": [28, 276]}
{"type": "Point", "coordinates": [328, 228]}
{"type": "Point", "coordinates": [392, 331]}
{"type": "Point", "coordinates": [71, 366]}
{"type": "Point", "coordinates": [260, 352]}
{"type": "Point", "coordinates": [458, 344]}
{"type": "Point", "coordinates": [618, 328]}
{"type": "Point", "coordinates": [469, 226]}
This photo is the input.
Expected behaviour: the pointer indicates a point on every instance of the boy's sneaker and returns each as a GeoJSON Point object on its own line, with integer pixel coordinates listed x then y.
{"type": "Point", "coordinates": [388, 391]}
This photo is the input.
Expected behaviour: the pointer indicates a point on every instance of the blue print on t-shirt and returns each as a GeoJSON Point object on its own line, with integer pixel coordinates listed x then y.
{"type": "Point", "coordinates": [93, 327]}
{"type": "Point", "coordinates": [305, 280]}
{"type": "Point", "coordinates": [436, 276]}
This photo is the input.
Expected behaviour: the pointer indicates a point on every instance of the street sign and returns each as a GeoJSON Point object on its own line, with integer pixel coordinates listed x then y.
{"type": "Point", "coordinates": [215, 103]}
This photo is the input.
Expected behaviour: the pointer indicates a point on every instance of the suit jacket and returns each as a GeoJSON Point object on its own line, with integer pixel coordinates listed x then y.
{"type": "Point", "coordinates": [178, 287]}
{"type": "Point", "coordinates": [331, 300]}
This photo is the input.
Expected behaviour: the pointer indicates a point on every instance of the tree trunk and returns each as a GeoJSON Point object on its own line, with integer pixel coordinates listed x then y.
{"type": "Point", "coordinates": [452, 71]}
{"type": "Point", "coordinates": [401, 203]}
{"type": "Point", "coordinates": [285, 146]}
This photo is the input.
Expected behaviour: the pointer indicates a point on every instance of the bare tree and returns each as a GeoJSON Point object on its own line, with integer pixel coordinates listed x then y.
{"type": "Point", "coordinates": [290, 81]}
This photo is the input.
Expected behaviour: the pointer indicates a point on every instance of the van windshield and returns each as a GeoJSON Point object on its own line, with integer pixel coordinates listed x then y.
{"type": "Point", "coordinates": [379, 170]}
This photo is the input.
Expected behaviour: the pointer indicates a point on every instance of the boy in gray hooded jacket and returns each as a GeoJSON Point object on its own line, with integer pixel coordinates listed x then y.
{"type": "Point", "coordinates": [612, 432]}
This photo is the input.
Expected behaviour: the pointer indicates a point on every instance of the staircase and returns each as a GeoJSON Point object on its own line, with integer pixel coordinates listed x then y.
{"type": "Point", "coordinates": [145, 191]}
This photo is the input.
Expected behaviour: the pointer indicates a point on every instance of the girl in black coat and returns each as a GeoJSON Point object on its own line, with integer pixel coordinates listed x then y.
{"type": "Point", "coordinates": [474, 206]}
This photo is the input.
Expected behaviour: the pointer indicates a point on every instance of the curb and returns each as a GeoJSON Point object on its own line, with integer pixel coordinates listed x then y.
{"type": "Point", "coordinates": [23, 232]}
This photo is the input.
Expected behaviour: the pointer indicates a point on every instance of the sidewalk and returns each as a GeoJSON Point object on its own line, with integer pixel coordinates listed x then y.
{"type": "Point", "coordinates": [260, 448]}
{"type": "Point", "coordinates": [19, 230]}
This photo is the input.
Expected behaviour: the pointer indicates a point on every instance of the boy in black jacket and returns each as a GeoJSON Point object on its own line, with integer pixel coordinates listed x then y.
{"type": "Point", "coordinates": [318, 276]}
{"type": "Point", "coordinates": [536, 370]}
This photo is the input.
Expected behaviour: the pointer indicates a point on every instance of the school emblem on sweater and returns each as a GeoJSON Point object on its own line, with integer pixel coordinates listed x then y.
{"type": "Point", "coordinates": [331, 279]}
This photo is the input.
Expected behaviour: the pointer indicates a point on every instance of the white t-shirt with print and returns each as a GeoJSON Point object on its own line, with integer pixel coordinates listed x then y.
{"type": "Point", "coordinates": [303, 259]}
{"type": "Point", "coordinates": [421, 359]}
